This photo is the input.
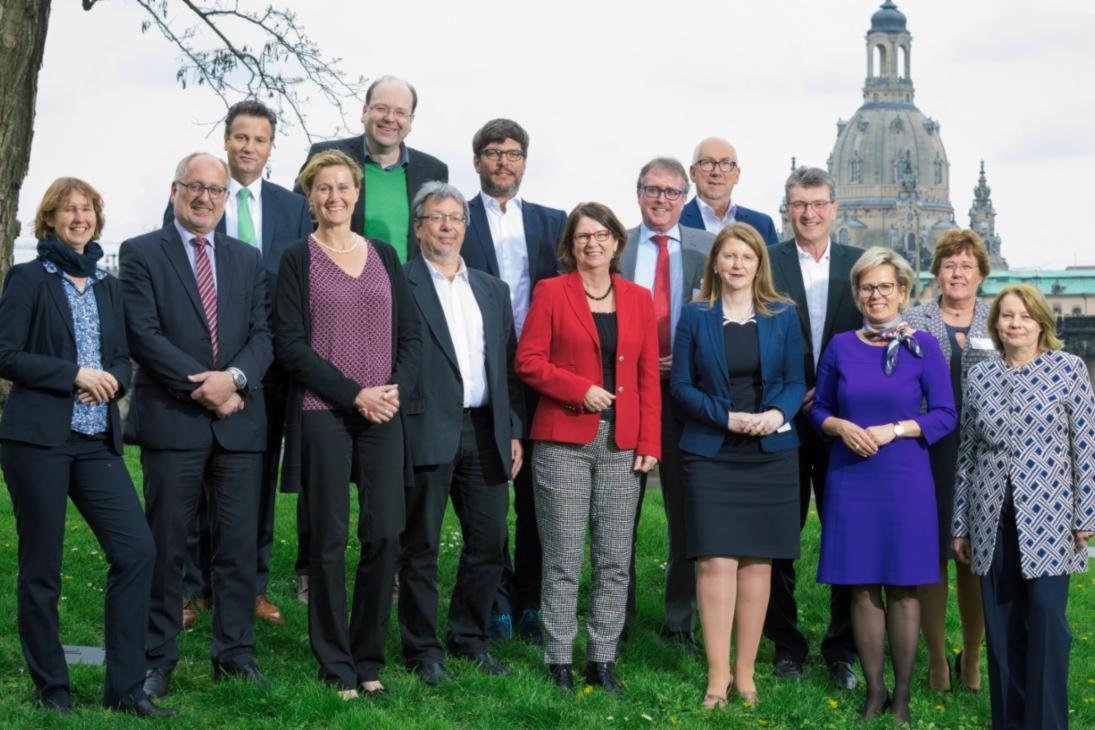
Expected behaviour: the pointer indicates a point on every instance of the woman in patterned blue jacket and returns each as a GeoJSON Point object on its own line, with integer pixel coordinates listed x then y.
{"type": "Point", "coordinates": [1024, 504]}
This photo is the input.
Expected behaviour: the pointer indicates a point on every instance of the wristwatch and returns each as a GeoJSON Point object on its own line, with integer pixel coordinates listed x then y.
{"type": "Point", "coordinates": [238, 378]}
{"type": "Point", "coordinates": [898, 430]}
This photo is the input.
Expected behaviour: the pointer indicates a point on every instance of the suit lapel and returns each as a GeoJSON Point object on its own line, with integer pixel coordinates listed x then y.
{"type": "Point", "coordinates": [576, 295]}
{"type": "Point", "coordinates": [787, 261]}
{"type": "Point", "coordinates": [57, 293]}
{"type": "Point", "coordinates": [176, 255]}
{"type": "Point", "coordinates": [838, 280]}
{"type": "Point", "coordinates": [482, 234]}
{"type": "Point", "coordinates": [631, 255]}
{"type": "Point", "coordinates": [716, 340]}
{"type": "Point", "coordinates": [533, 232]}
{"type": "Point", "coordinates": [270, 210]}
{"type": "Point", "coordinates": [430, 306]}
{"type": "Point", "coordinates": [492, 326]}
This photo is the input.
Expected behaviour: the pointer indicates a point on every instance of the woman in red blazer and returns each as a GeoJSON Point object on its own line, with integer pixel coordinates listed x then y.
{"type": "Point", "coordinates": [589, 347]}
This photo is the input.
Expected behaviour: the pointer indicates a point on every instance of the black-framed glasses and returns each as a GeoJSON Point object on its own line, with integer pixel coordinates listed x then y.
{"type": "Point", "coordinates": [216, 192]}
{"type": "Point", "coordinates": [800, 206]}
{"type": "Point", "coordinates": [885, 288]}
{"type": "Point", "coordinates": [599, 236]}
{"type": "Point", "coordinates": [654, 192]}
{"type": "Point", "coordinates": [707, 164]}
{"type": "Point", "coordinates": [436, 218]}
{"type": "Point", "coordinates": [494, 154]}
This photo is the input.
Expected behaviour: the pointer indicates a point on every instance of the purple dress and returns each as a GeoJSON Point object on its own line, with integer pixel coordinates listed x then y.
{"type": "Point", "coordinates": [880, 523]}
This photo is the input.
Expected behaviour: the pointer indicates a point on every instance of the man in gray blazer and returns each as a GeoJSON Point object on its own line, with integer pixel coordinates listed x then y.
{"type": "Point", "coordinates": [668, 259]}
{"type": "Point", "coordinates": [464, 421]}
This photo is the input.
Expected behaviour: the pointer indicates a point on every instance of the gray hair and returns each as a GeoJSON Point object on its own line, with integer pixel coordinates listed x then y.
{"type": "Point", "coordinates": [394, 79]}
{"type": "Point", "coordinates": [669, 164]}
{"type": "Point", "coordinates": [437, 190]}
{"type": "Point", "coordinates": [184, 164]}
{"type": "Point", "coordinates": [810, 177]}
{"type": "Point", "coordinates": [877, 256]}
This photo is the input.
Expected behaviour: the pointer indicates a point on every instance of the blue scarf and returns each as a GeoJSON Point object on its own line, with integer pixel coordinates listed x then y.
{"type": "Point", "coordinates": [65, 258]}
{"type": "Point", "coordinates": [894, 333]}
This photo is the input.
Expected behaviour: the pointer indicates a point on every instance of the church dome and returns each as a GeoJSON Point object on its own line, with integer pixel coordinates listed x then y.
{"type": "Point", "coordinates": [888, 19]}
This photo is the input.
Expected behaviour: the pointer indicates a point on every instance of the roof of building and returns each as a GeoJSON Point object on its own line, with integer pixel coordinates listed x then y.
{"type": "Point", "coordinates": [888, 19]}
{"type": "Point", "coordinates": [1051, 282]}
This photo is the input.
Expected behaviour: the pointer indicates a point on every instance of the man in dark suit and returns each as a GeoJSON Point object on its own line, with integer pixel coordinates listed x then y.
{"type": "Point", "coordinates": [393, 171]}
{"type": "Point", "coordinates": [198, 327]}
{"type": "Point", "coordinates": [464, 427]}
{"type": "Point", "coordinates": [268, 217]}
{"type": "Point", "coordinates": [716, 171]}
{"type": "Point", "coordinates": [668, 259]}
{"type": "Point", "coordinates": [814, 272]}
{"type": "Point", "coordinates": [513, 239]}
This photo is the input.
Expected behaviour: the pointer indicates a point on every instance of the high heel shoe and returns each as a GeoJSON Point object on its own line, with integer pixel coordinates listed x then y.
{"type": "Point", "coordinates": [958, 672]}
{"type": "Point", "coordinates": [712, 701]}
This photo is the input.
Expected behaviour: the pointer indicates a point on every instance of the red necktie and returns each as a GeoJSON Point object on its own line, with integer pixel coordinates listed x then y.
{"type": "Point", "coordinates": [207, 289]}
{"type": "Point", "coordinates": [661, 294]}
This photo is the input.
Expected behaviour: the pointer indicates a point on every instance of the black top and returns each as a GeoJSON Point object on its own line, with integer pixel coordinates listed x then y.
{"type": "Point", "coordinates": [956, 361]}
{"type": "Point", "coordinates": [607, 334]}
{"type": "Point", "coordinates": [746, 386]}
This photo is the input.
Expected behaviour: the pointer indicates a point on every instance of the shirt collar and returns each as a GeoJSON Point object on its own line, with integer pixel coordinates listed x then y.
{"type": "Point", "coordinates": [731, 212]}
{"type": "Point", "coordinates": [404, 155]}
{"type": "Point", "coordinates": [645, 233]}
{"type": "Point", "coordinates": [187, 236]}
{"type": "Point", "coordinates": [461, 273]}
{"type": "Point", "coordinates": [492, 204]}
{"type": "Point", "coordinates": [804, 256]}
{"type": "Point", "coordinates": [255, 188]}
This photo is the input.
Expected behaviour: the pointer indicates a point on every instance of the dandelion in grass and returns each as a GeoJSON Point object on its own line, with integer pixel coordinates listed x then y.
{"type": "Point", "coordinates": [833, 704]}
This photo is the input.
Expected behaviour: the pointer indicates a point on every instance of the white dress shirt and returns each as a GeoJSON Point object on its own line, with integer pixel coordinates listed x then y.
{"type": "Point", "coordinates": [815, 280]}
{"type": "Point", "coordinates": [232, 209]}
{"type": "Point", "coordinates": [711, 220]}
{"type": "Point", "coordinates": [646, 265]}
{"type": "Point", "coordinates": [465, 323]}
{"type": "Point", "coordinates": [507, 230]}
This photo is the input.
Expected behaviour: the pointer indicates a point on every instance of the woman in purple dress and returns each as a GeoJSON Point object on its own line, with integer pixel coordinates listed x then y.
{"type": "Point", "coordinates": [879, 527]}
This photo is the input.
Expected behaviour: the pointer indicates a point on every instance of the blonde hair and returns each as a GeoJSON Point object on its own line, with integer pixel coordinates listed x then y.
{"type": "Point", "coordinates": [1037, 307]}
{"type": "Point", "coordinates": [330, 158]}
{"type": "Point", "coordinates": [877, 256]}
{"type": "Point", "coordinates": [764, 292]}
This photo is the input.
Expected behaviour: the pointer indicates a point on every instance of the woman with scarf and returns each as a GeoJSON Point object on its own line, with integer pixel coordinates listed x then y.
{"type": "Point", "coordinates": [879, 528]}
{"type": "Point", "coordinates": [62, 344]}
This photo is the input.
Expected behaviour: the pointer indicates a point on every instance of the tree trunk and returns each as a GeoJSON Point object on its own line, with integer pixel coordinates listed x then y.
{"type": "Point", "coordinates": [23, 25]}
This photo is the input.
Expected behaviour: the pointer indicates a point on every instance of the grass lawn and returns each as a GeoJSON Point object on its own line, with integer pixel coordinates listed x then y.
{"type": "Point", "coordinates": [662, 687]}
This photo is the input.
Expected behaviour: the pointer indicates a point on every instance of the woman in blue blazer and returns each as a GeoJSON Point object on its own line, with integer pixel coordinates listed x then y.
{"type": "Point", "coordinates": [737, 382]}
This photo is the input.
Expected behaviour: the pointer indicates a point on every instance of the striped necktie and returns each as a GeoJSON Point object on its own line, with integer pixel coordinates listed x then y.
{"type": "Point", "coordinates": [207, 288]}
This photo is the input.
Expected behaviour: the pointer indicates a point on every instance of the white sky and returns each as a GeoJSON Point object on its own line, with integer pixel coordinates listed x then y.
{"type": "Point", "coordinates": [603, 87]}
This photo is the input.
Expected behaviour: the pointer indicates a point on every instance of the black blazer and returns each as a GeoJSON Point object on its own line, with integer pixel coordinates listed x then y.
{"type": "Point", "coordinates": [307, 370]}
{"type": "Point", "coordinates": [841, 313]}
{"type": "Point", "coordinates": [421, 168]}
{"type": "Point", "coordinates": [169, 339]}
{"type": "Point", "coordinates": [38, 354]}
{"type": "Point", "coordinates": [543, 226]}
{"type": "Point", "coordinates": [433, 408]}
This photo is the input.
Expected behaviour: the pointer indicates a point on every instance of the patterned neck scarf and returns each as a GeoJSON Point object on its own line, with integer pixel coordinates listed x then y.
{"type": "Point", "coordinates": [894, 333]}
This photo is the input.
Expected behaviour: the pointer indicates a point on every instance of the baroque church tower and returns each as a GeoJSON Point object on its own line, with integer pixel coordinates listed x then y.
{"type": "Point", "coordinates": [983, 220]}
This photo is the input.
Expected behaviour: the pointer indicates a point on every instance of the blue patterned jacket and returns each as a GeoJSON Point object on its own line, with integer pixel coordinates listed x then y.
{"type": "Point", "coordinates": [1035, 423]}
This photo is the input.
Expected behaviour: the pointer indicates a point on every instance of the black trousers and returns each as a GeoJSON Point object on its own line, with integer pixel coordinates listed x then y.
{"type": "Point", "coordinates": [781, 621]}
{"type": "Point", "coordinates": [196, 575]}
{"type": "Point", "coordinates": [680, 572]}
{"type": "Point", "coordinates": [477, 482]}
{"type": "Point", "coordinates": [1028, 638]}
{"type": "Point", "coordinates": [173, 485]}
{"type": "Point", "coordinates": [519, 588]}
{"type": "Point", "coordinates": [41, 480]}
{"type": "Point", "coordinates": [338, 449]}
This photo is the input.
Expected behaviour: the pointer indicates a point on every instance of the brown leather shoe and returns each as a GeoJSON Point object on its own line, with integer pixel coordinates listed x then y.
{"type": "Point", "coordinates": [191, 608]}
{"type": "Point", "coordinates": [268, 611]}
{"type": "Point", "coordinates": [189, 618]}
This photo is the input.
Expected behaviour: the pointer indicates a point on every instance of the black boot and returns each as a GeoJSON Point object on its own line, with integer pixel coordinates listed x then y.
{"type": "Point", "coordinates": [600, 673]}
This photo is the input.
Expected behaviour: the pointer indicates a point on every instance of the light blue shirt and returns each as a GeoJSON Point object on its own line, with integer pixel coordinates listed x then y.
{"type": "Point", "coordinates": [210, 250]}
{"type": "Point", "coordinates": [646, 264]}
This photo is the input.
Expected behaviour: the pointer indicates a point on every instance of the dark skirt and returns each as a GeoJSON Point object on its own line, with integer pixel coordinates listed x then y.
{"type": "Point", "coordinates": [742, 503]}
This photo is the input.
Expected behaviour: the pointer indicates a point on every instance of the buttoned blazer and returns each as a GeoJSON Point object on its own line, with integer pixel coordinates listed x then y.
{"type": "Point", "coordinates": [434, 407]}
{"type": "Point", "coordinates": [929, 318]}
{"type": "Point", "coordinates": [421, 169]}
{"type": "Point", "coordinates": [169, 339]}
{"type": "Point", "coordinates": [559, 355]}
{"type": "Point", "coordinates": [841, 313]}
{"type": "Point", "coordinates": [1034, 426]}
{"type": "Point", "coordinates": [700, 379]}
{"type": "Point", "coordinates": [693, 218]}
{"type": "Point", "coordinates": [38, 355]}
{"type": "Point", "coordinates": [543, 227]}
{"type": "Point", "coordinates": [695, 246]}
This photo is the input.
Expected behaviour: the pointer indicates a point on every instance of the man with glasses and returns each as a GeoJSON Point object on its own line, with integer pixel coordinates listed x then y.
{"type": "Point", "coordinates": [393, 172]}
{"type": "Point", "coordinates": [464, 424]}
{"type": "Point", "coordinates": [668, 259]}
{"type": "Point", "coordinates": [513, 239]}
{"type": "Point", "coordinates": [715, 171]}
{"type": "Point", "coordinates": [198, 327]}
{"type": "Point", "coordinates": [814, 272]}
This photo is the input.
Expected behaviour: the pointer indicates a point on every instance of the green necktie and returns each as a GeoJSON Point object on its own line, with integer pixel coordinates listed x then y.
{"type": "Point", "coordinates": [246, 225]}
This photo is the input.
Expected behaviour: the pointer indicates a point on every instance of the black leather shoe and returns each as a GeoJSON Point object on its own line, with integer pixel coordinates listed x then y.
{"type": "Point", "coordinates": [249, 672]}
{"type": "Point", "coordinates": [600, 673]}
{"type": "Point", "coordinates": [432, 673]}
{"type": "Point", "coordinates": [157, 683]}
{"type": "Point", "coordinates": [144, 707]}
{"type": "Point", "coordinates": [528, 627]}
{"type": "Point", "coordinates": [685, 641]}
{"type": "Point", "coordinates": [842, 675]}
{"type": "Point", "coordinates": [488, 664]}
{"type": "Point", "coordinates": [788, 669]}
{"type": "Point", "coordinates": [561, 676]}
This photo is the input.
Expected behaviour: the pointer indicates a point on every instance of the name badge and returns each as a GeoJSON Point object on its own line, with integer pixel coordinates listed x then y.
{"type": "Point", "coordinates": [981, 343]}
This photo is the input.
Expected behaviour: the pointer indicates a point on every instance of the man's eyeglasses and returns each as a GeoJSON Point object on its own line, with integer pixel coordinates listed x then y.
{"type": "Point", "coordinates": [800, 206]}
{"type": "Point", "coordinates": [383, 110]}
{"type": "Point", "coordinates": [599, 236]}
{"type": "Point", "coordinates": [886, 288]}
{"type": "Point", "coordinates": [707, 164]}
{"type": "Point", "coordinates": [456, 219]}
{"type": "Point", "coordinates": [494, 154]}
{"type": "Point", "coordinates": [196, 189]}
{"type": "Point", "coordinates": [653, 192]}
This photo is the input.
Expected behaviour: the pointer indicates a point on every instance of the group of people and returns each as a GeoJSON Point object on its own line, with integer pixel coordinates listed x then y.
{"type": "Point", "coordinates": [376, 328]}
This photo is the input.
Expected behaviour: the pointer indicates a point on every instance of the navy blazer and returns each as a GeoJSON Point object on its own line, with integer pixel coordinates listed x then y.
{"type": "Point", "coordinates": [543, 227]}
{"type": "Point", "coordinates": [700, 379]}
{"type": "Point", "coordinates": [691, 217]}
{"type": "Point", "coordinates": [38, 354]}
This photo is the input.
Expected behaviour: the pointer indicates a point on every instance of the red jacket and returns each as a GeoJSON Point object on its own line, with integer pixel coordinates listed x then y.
{"type": "Point", "coordinates": [559, 356]}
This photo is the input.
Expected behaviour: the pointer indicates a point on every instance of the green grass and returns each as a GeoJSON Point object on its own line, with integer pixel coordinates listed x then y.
{"type": "Point", "coordinates": [662, 687]}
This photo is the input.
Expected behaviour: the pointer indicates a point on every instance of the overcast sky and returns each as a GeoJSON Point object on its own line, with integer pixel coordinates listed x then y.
{"type": "Point", "coordinates": [602, 87]}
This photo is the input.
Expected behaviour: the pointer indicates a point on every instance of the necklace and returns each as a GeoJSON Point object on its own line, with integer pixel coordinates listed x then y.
{"type": "Point", "coordinates": [600, 298]}
{"type": "Point", "coordinates": [332, 249]}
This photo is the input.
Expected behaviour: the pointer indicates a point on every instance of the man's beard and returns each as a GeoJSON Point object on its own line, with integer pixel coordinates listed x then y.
{"type": "Point", "coordinates": [499, 191]}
